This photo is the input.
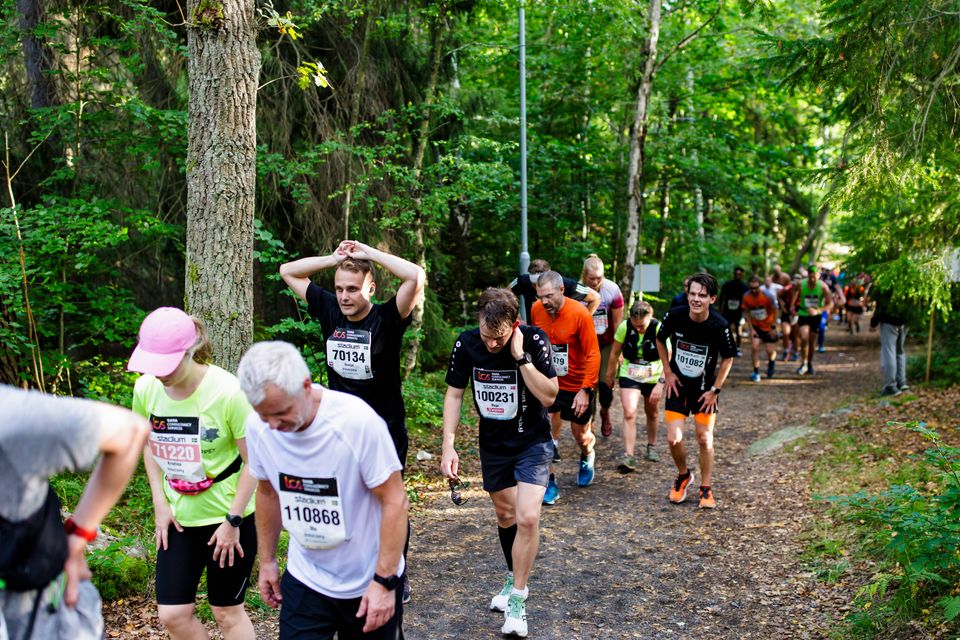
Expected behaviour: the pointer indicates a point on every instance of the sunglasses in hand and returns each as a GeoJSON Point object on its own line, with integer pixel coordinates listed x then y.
{"type": "Point", "coordinates": [456, 487]}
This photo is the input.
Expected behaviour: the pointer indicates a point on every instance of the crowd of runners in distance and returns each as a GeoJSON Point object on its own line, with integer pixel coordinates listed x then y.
{"type": "Point", "coordinates": [233, 459]}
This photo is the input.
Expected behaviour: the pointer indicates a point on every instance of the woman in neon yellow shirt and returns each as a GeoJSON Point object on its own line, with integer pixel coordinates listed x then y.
{"type": "Point", "coordinates": [196, 462]}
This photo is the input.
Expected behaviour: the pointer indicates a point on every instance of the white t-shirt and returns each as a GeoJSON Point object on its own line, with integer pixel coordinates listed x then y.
{"type": "Point", "coordinates": [323, 476]}
{"type": "Point", "coordinates": [772, 290]}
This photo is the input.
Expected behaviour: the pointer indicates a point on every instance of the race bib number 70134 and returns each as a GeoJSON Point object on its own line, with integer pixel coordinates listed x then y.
{"type": "Point", "coordinates": [311, 511]}
{"type": "Point", "coordinates": [348, 353]}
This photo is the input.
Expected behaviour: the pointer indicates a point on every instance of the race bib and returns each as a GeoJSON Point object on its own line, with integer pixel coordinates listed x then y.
{"type": "Point", "coordinates": [175, 445]}
{"type": "Point", "coordinates": [348, 352]}
{"type": "Point", "coordinates": [496, 393]}
{"type": "Point", "coordinates": [733, 305]}
{"type": "Point", "coordinates": [691, 358]}
{"type": "Point", "coordinates": [639, 371]}
{"type": "Point", "coordinates": [560, 355]}
{"type": "Point", "coordinates": [811, 302]}
{"type": "Point", "coordinates": [311, 511]}
{"type": "Point", "coordinates": [600, 321]}
{"type": "Point", "coordinates": [758, 314]}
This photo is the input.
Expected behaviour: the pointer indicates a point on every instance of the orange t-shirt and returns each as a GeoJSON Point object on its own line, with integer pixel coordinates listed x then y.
{"type": "Point", "coordinates": [574, 341]}
{"type": "Point", "coordinates": [759, 308]}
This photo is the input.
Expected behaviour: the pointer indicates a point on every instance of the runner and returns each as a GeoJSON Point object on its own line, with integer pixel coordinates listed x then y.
{"type": "Point", "coordinates": [329, 474]}
{"type": "Point", "coordinates": [680, 300]}
{"type": "Point", "coordinates": [524, 286]}
{"type": "Point", "coordinates": [892, 320]}
{"type": "Point", "coordinates": [788, 316]}
{"type": "Point", "coordinates": [694, 372]}
{"type": "Point", "coordinates": [771, 288]}
{"type": "Point", "coordinates": [812, 298]}
{"type": "Point", "coordinates": [576, 359]}
{"type": "Point", "coordinates": [606, 319]}
{"type": "Point", "coordinates": [510, 367]}
{"type": "Point", "coordinates": [636, 340]}
{"type": "Point", "coordinates": [363, 340]}
{"type": "Point", "coordinates": [196, 464]}
{"type": "Point", "coordinates": [46, 590]}
{"type": "Point", "coordinates": [731, 293]}
{"type": "Point", "coordinates": [763, 328]}
{"type": "Point", "coordinates": [854, 294]}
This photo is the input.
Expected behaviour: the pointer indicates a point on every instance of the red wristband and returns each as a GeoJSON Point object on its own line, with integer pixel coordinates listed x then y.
{"type": "Point", "coordinates": [71, 528]}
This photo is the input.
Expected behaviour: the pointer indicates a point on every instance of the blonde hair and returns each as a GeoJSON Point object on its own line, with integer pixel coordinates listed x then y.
{"type": "Point", "coordinates": [593, 263]}
{"type": "Point", "coordinates": [202, 350]}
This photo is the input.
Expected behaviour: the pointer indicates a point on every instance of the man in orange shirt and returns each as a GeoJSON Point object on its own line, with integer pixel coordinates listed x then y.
{"type": "Point", "coordinates": [762, 316]}
{"type": "Point", "coordinates": [576, 359]}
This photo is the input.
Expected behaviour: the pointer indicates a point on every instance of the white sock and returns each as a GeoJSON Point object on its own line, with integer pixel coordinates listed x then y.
{"type": "Point", "coordinates": [556, 443]}
{"type": "Point", "coordinates": [523, 594]}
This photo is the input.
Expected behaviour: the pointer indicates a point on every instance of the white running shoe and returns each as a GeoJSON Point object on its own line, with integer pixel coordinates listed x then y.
{"type": "Point", "coordinates": [500, 601]}
{"type": "Point", "coordinates": [515, 618]}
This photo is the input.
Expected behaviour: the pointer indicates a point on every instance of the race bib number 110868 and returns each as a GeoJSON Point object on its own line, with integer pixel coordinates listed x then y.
{"type": "Point", "coordinates": [311, 511]}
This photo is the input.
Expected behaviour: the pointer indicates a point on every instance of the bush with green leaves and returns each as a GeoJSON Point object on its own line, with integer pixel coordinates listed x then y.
{"type": "Point", "coordinates": [913, 532]}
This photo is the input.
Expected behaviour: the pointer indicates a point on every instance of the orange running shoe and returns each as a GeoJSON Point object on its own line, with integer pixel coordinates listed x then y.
{"type": "Point", "coordinates": [678, 492]}
{"type": "Point", "coordinates": [706, 498]}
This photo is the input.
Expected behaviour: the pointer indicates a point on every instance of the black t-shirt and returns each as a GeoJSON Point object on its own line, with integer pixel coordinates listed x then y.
{"type": "Point", "coordinates": [697, 346]}
{"type": "Point", "coordinates": [511, 417]}
{"type": "Point", "coordinates": [521, 286]}
{"type": "Point", "coordinates": [363, 358]}
{"type": "Point", "coordinates": [635, 349]}
{"type": "Point", "coordinates": [731, 294]}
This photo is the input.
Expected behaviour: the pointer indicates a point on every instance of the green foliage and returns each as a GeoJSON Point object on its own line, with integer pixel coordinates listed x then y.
{"type": "Point", "coordinates": [117, 572]}
{"type": "Point", "coordinates": [912, 528]}
{"type": "Point", "coordinates": [105, 380]}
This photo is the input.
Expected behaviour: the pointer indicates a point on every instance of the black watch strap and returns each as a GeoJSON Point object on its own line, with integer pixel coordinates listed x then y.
{"type": "Point", "coordinates": [235, 521]}
{"type": "Point", "coordinates": [524, 359]}
{"type": "Point", "coordinates": [389, 584]}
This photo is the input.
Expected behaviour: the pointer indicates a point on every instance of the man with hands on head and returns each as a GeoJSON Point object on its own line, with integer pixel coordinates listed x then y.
{"type": "Point", "coordinates": [694, 370]}
{"type": "Point", "coordinates": [510, 368]}
{"type": "Point", "coordinates": [363, 340]}
{"type": "Point", "coordinates": [329, 475]}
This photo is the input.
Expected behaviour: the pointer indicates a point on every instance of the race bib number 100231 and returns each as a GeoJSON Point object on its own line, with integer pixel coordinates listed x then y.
{"type": "Point", "coordinates": [496, 393]}
{"type": "Point", "coordinates": [311, 511]}
{"type": "Point", "coordinates": [175, 445]}
{"type": "Point", "coordinates": [348, 353]}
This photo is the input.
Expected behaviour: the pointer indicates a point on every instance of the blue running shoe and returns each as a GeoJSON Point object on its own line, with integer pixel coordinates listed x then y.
{"type": "Point", "coordinates": [553, 492]}
{"type": "Point", "coordinates": [754, 377]}
{"type": "Point", "coordinates": [585, 475]}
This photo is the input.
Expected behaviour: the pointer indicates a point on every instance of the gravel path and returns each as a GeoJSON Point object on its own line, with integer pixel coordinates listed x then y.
{"type": "Point", "coordinates": [617, 560]}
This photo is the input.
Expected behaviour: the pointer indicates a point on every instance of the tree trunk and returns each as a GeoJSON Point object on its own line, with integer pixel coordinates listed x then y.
{"type": "Point", "coordinates": [423, 138]}
{"type": "Point", "coordinates": [811, 238]}
{"type": "Point", "coordinates": [664, 217]}
{"type": "Point", "coordinates": [38, 57]}
{"type": "Point", "coordinates": [638, 133]}
{"type": "Point", "coordinates": [355, 116]}
{"type": "Point", "coordinates": [223, 68]}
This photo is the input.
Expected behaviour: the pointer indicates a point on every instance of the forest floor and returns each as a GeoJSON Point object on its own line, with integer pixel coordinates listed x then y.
{"type": "Point", "coordinates": [616, 559]}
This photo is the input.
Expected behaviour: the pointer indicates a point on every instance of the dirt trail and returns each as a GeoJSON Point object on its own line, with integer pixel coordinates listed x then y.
{"type": "Point", "coordinates": [617, 560]}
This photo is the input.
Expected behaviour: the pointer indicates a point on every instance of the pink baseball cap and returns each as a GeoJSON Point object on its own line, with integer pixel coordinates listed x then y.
{"type": "Point", "coordinates": [165, 336]}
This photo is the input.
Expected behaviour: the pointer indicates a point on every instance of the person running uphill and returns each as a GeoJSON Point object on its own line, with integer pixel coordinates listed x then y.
{"type": "Point", "coordinates": [606, 319]}
{"type": "Point", "coordinates": [576, 359]}
{"type": "Point", "coordinates": [762, 316]}
{"type": "Point", "coordinates": [730, 296]}
{"type": "Point", "coordinates": [694, 371]}
{"type": "Point", "coordinates": [639, 373]}
{"type": "Point", "coordinates": [812, 298]}
{"type": "Point", "coordinates": [511, 370]}
{"type": "Point", "coordinates": [329, 474]}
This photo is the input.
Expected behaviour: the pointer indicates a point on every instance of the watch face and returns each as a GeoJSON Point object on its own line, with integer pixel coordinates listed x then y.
{"type": "Point", "coordinates": [236, 521]}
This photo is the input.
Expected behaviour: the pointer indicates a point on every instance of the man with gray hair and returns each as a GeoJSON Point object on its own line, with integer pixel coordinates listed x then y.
{"type": "Point", "coordinates": [329, 474]}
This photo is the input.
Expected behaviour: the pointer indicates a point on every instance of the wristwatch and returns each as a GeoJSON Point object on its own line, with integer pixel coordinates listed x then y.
{"type": "Point", "coordinates": [524, 359]}
{"type": "Point", "coordinates": [587, 390]}
{"type": "Point", "coordinates": [389, 584]}
{"type": "Point", "coordinates": [235, 521]}
{"type": "Point", "coordinates": [662, 380]}
{"type": "Point", "coordinates": [715, 390]}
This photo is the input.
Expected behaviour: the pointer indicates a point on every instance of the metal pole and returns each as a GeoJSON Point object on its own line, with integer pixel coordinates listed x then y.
{"type": "Point", "coordinates": [524, 248]}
